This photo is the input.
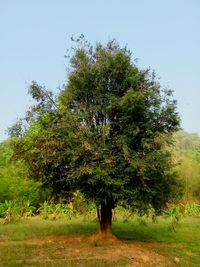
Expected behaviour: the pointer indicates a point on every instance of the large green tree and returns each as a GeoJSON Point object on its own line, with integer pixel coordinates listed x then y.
{"type": "Point", "coordinates": [106, 134]}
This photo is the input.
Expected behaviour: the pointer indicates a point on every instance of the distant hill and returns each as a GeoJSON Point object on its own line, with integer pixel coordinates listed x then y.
{"type": "Point", "coordinates": [187, 154]}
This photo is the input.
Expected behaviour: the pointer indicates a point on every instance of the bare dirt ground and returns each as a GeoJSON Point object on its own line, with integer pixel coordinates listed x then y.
{"type": "Point", "coordinates": [88, 247]}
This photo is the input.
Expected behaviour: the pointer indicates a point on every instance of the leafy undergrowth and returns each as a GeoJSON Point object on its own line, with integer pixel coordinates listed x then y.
{"type": "Point", "coordinates": [38, 242]}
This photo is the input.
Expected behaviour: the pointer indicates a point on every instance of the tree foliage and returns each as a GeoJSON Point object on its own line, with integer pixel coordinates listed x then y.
{"type": "Point", "coordinates": [106, 134]}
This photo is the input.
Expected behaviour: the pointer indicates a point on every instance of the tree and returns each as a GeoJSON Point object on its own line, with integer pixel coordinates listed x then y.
{"type": "Point", "coordinates": [107, 134]}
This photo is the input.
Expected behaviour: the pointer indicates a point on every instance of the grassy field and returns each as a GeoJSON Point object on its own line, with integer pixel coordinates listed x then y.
{"type": "Point", "coordinates": [38, 242]}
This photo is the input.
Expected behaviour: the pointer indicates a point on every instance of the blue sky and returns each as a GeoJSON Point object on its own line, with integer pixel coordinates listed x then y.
{"type": "Point", "coordinates": [35, 35]}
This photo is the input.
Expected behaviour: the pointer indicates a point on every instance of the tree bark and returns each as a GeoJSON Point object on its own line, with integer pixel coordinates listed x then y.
{"type": "Point", "coordinates": [105, 219]}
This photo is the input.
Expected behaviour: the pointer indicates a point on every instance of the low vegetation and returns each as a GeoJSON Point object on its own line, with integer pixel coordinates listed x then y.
{"type": "Point", "coordinates": [63, 242]}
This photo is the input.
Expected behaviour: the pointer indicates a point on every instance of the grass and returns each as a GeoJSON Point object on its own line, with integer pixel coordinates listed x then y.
{"type": "Point", "coordinates": [188, 230]}
{"type": "Point", "coordinates": [187, 235]}
{"type": "Point", "coordinates": [28, 255]}
{"type": "Point", "coordinates": [189, 254]}
{"type": "Point", "coordinates": [16, 248]}
{"type": "Point", "coordinates": [38, 228]}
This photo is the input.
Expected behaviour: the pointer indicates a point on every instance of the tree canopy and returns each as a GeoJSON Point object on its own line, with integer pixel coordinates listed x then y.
{"type": "Point", "coordinates": [105, 134]}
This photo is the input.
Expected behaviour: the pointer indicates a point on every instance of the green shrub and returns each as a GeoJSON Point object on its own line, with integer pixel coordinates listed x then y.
{"type": "Point", "coordinates": [175, 215]}
{"type": "Point", "coordinates": [9, 211]}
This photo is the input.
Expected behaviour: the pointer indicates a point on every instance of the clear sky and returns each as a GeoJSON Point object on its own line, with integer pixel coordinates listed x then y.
{"type": "Point", "coordinates": [35, 35]}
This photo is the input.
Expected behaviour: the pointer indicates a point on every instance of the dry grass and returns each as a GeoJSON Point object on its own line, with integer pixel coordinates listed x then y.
{"type": "Point", "coordinates": [81, 250]}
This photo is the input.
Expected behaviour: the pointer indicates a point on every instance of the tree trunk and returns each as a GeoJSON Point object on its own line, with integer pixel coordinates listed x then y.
{"type": "Point", "coordinates": [105, 220]}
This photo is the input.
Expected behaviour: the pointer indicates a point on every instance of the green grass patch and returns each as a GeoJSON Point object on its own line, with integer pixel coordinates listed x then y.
{"type": "Point", "coordinates": [189, 254]}
{"type": "Point", "coordinates": [37, 228]}
{"type": "Point", "coordinates": [16, 248]}
{"type": "Point", "coordinates": [188, 230]}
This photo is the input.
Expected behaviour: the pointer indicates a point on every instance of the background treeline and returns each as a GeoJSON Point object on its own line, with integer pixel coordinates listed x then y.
{"type": "Point", "coordinates": [14, 183]}
{"type": "Point", "coordinates": [187, 156]}
{"type": "Point", "coordinates": [16, 186]}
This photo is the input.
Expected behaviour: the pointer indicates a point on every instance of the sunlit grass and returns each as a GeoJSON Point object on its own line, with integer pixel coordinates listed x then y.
{"type": "Point", "coordinates": [13, 253]}
{"type": "Point", "coordinates": [187, 230]}
{"type": "Point", "coordinates": [34, 228]}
